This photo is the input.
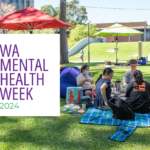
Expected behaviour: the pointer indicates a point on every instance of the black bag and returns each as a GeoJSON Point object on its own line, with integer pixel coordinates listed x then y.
{"type": "Point", "coordinates": [86, 100]}
{"type": "Point", "coordinates": [121, 109]}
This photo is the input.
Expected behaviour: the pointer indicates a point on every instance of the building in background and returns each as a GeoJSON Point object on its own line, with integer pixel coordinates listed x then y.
{"type": "Point", "coordinates": [21, 4]}
{"type": "Point", "coordinates": [140, 26]}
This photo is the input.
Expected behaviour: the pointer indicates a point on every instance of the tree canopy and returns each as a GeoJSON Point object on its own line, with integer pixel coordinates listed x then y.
{"type": "Point", "coordinates": [74, 13]}
{"type": "Point", "coordinates": [49, 9]}
{"type": "Point", "coordinates": [81, 32]}
{"type": "Point", "coordinates": [5, 10]}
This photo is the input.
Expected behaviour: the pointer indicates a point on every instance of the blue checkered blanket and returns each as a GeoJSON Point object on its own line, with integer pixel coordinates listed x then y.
{"type": "Point", "coordinates": [125, 127]}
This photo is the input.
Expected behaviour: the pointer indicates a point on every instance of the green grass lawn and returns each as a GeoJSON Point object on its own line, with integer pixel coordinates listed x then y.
{"type": "Point", "coordinates": [97, 51]}
{"type": "Point", "coordinates": [65, 132]}
{"type": "Point", "coordinates": [87, 136]}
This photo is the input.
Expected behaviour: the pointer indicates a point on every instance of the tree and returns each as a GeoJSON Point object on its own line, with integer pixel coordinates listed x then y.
{"type": "Point", "coordinates": [44, 31]}
{"type": "Point", "coordinates": [80, 32]}
{"type": "Point", "coordinates": [57, 9]}
{"type": "Point", "coordinates": [49, 9]}
{"type": "Point", "coordinates": [75, 14]}
{"type": "Point", "coordinates": [5, 10]}
{"type": "Point", "coordinates": [63, 50]}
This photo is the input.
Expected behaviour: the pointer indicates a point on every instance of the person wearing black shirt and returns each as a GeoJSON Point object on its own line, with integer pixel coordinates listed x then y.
{"type": "Point", "coordinates": [138, 94]}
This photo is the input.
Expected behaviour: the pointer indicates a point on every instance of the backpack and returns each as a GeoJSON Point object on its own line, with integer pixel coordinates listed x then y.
{"type": "Point", "coordinates": [121, 109]}
{"type": "Point", "coordinates": [86, 100]}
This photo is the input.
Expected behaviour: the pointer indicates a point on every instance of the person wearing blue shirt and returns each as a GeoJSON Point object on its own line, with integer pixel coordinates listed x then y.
{"type": "Point", "coordinates": [103, 88]}
{"type": "Point", "coordinates": [82, 54]}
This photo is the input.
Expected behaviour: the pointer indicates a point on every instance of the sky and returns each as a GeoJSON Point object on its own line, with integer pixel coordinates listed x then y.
{"type": "Point", "coordinates": [97, 15]}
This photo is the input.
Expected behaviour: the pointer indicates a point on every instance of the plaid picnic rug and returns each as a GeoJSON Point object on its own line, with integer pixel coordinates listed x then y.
{"type": "Point", "coordinates": [125, 127]}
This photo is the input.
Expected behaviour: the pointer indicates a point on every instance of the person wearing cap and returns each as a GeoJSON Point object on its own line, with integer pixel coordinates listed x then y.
{"type": "Point", "coordinates": [128, 76]}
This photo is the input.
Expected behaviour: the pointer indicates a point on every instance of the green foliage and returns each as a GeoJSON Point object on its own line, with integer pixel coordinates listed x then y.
{"type": "Point", "coordinates": [76, 13]}
{"type": "Point", "coordinates": [44, 31]}
{"type": "Point", "coordinates": [49, 9]}
{"type": "Point", "coordinates": [80, 32]}
{"type": "Point", "coordinates": [57, 9]}
{"type": "Point", "coordinates": [19, 32]}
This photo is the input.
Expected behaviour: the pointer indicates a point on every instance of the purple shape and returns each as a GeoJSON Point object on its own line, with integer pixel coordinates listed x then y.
{"type": "Point", "coordinates": [68, 79]}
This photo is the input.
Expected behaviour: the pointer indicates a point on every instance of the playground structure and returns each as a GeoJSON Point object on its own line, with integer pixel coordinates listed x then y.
{"type": "Point", "coordinates": [76, 48]}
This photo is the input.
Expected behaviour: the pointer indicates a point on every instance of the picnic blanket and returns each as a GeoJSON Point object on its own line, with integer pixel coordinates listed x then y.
{"type": "Point", "coordinates": [125, 127]}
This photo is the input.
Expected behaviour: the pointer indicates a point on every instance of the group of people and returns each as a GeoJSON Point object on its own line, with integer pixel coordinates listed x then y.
{"type": "Point", "coordinates": [137, 93]}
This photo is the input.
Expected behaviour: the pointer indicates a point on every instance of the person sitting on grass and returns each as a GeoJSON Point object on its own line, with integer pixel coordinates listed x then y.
{"type": "Point", "coordinates": [128, 76]}
{"type": "Point", "coordinates": [103, 88]}
{"type": "Point", "coordinates": [85, 80]}
{"type": "Point", "coordinates": [138, 94]}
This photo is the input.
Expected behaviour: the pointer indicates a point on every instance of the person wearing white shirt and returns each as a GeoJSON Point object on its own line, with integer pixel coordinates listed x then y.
{"type": "Point", "coordinates": [85, 80]}
{"type": "Point", "coordinates": [128, 76]}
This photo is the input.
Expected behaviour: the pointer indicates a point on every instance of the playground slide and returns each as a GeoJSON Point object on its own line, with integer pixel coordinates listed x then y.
{"type": "Point", "coordinates": [76, 48]}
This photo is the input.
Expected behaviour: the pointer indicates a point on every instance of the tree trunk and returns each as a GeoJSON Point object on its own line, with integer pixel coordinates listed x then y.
{"type": "Point", "coordinates": [63, 50]}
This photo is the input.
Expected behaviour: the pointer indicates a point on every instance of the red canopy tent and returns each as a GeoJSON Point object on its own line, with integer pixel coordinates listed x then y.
{"type": "Point", "coordinates": [29, 19]}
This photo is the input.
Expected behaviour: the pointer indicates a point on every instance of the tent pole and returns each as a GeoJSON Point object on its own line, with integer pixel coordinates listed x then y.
{"type": "Point", "coordinates": [116, 48]}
